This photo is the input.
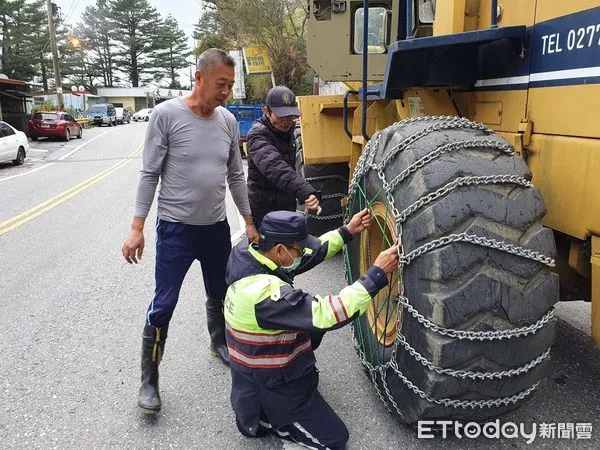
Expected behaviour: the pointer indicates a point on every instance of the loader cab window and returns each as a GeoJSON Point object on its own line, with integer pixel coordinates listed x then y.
{"type": "Point", "coordinates": [379, 30]}
{"type": "Point", "coordinates": [426, 10]}
{"type": "Point", "coordinates": [423, 18]}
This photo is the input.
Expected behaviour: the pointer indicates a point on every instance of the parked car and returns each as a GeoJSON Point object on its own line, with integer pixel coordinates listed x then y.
{"type": "Point", "coordinates": [123, 115]}
{"type": "Point", "coordinates": [56, 124]}
{"type": "Point", "coordinates": [143, 115]}
{"type": "Point", "coordinates": [103, 114]}
{"type": "Point", "coordinates": [13, 144]}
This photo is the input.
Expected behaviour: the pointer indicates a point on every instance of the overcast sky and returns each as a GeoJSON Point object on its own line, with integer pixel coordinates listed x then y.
{"type": "Point", "coordinates": [187, 13]}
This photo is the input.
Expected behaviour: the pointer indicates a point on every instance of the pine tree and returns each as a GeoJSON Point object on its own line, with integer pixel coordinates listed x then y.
{"type": "Point", "coordinates": [24, 38]}
{"type": "Point", "coordinates": [8, 11]}
{"type": "Point", "coordinates": [80, 63]}
{"type": "Point", "coordinates": [69, 55]}
{"type": "Point", "coordinates": [94, 31]}
{"type": "Point", "coordinates": [37, 40]}
{"type": "Point", "coordinates": [135, 23]}
{"type": "Point", "coordinates": [171, 52]}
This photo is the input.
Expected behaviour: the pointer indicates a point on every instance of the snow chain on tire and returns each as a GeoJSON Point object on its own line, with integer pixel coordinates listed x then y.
{"type": "Point", "coordinates": [331, 180]}
{"type": "Point", "coordinates": [472, 308]}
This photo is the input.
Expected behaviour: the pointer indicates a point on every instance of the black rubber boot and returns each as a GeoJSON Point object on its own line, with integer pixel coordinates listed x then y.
{"type": "Point", "coordinates": [215, 319]}
{"type": "Point", "coordinates": [153, 345]}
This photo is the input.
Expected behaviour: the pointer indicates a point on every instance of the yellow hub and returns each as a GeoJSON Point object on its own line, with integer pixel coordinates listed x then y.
{"type": "Point", "coordinates": [383, 312]}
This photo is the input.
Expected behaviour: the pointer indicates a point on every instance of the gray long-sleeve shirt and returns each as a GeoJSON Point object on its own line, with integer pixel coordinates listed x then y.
{"type": "Point", "coordinates": [193, 157]}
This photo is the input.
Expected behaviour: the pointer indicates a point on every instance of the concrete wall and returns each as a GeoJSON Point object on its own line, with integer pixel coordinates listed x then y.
{"type": "Point", "coordinates": [128, 102]}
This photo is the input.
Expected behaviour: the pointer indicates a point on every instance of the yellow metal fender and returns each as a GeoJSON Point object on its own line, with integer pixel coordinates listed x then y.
{"type": "Point", "coordinates": [595, 260]}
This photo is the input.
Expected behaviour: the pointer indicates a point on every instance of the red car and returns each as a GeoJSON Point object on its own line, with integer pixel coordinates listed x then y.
{"type": "Point", "coordinates": [54, 124]}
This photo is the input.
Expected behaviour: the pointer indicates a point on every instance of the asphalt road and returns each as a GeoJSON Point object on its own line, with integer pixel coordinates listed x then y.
{"type": "Point", "coordinates": [71, 316]}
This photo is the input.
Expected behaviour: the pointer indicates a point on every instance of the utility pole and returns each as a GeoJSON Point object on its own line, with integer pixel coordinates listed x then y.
{"type": "Point", "coordinates": [57, 77]}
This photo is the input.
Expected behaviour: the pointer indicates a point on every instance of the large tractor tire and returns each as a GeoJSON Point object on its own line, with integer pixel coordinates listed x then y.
{"type": "Point", "coordinates": [331, 180]}
{"type": "Point", "coordinates": [464, 330]}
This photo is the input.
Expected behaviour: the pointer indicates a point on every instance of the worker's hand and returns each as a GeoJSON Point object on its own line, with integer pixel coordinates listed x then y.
{"type": "Point", "coordinates": [252, 234]}
{"type": "Point", "coordinates": [133, 247]}
{"type": "Point", "coordinates": [387, 260]}
{"type": "Point", "coordinates": [312, 205]}
{"type": "Point", "coordinates": [360, 222]}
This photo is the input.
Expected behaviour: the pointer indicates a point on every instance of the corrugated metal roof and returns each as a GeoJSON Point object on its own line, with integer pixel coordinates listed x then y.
{"type": "Point", "coordinates": [12, 82]}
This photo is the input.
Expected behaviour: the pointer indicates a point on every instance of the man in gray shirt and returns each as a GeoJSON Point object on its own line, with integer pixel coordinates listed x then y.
{"type": "Point", "coordinates": [192, 147]}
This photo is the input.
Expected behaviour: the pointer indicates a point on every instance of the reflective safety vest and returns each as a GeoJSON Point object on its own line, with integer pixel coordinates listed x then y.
{"type": "Point", "coordinates": [270, 327]}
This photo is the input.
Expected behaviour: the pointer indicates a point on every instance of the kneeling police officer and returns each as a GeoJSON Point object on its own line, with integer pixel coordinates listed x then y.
{"type": "Point", "coordinates": [273, 328]}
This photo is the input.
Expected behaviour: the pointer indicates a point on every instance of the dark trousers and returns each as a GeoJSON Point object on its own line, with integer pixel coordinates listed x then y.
{"type": "Point", "coordinates": [263, 202]}
{"type": "Point", "coordinates": [294, 411]}
{"type": "Point", "coordinates": [177, 246]}
{"type": "Point", "coordinates": [317, 427]}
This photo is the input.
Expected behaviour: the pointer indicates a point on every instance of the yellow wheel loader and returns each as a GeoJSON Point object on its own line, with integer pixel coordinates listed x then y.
{"type": "Point", "coordinates": [471, 129]}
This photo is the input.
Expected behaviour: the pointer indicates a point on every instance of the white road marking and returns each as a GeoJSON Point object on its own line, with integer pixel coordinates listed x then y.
{"type": "Point", "coordinates": [76, 149]}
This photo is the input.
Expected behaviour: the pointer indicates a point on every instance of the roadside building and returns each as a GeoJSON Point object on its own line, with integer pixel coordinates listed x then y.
{"type": "Point", "coordinates": [136, 98]}
{"type": "Point", "coordinates": [14, 102]}
{"type": "Point", "coordinates": [129, 98]}
{"type": "Point", "coordinates": [77, 102]}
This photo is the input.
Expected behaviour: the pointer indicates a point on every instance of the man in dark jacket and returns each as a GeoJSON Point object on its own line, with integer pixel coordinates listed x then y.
{"type": "Point", "coordinates": [273, 183]}
{"type": "Point", "coordinates": [271, 325]}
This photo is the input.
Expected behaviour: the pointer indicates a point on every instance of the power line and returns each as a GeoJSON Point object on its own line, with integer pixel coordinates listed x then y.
{"type": "Point", "coordinates": [47, 43]}
{"type": "Point", "coordinates": [72, 10]}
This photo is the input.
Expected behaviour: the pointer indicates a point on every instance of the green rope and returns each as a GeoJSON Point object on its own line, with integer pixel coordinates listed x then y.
{"type": "Point", "coordinates": [368, 337]}
{"type": "Point", "coordinates": [389, 293]}
{"type": "Point", "coordinates": [361, 337]}
{"type": "Point", "coordinates": [379, 225]}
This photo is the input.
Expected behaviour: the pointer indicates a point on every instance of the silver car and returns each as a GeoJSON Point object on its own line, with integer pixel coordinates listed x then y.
{"type": "Point", "coordinates": [123, 115]}
{"type": "Point", "coordinates": [143, 115]}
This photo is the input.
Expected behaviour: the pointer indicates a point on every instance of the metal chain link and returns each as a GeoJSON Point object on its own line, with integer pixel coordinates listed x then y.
{"type": "Point", "coordinates": [315, 217]}
{"type": "Point", "coordinates": [461, 182]}
{"type": "Point", "coordinates": [454, 146]}
{"type": "Point", "coordinates": [383, 373]}
{"type": "Point", "coordinates": [448, 124]}
{"type": "Point", "coordinates": [478, 240]}
{"type": "Point", "coordinates": [421, 119]}
{"type": "Point", "coordinates": [455, 403]}
{"type": "Point", "coordinates": [359, 172]}
{"type": "Point", "coordinates": [471, 374]}
{"type": "Point", "coordinates": [372, 370]}
{"type": "Point", "coordinates": [373, 374]}
{"type": "Point", "coordinates": [465, 403]}
{"type": "Point", "coordinates": [337, 195]}
{"type": "Point", "coordinates": [477, 335]}
{"type": "Point", "coordinates": [328, 177]}
{"type": "Point", "coordinates": [365, 163]}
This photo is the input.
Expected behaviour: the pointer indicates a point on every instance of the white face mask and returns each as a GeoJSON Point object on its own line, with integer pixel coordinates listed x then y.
{"type": "Point", "coordinates": [294, 264]}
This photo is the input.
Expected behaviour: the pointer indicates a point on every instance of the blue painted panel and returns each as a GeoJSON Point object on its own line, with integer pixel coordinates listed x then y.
{"type": "Point", "coordinates": [506, 57]}
{"type": "Point", "coordinates": [568, 42]}
{"type": "Point", "coordinates": [245, 115]}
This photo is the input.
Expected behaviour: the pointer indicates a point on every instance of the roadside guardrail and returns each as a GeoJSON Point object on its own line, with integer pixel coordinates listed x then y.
{"type": "Point", "coordinates": [84, 122]}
